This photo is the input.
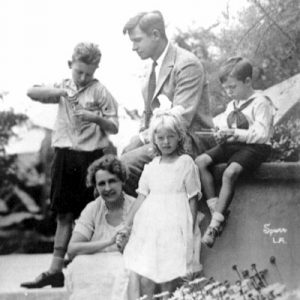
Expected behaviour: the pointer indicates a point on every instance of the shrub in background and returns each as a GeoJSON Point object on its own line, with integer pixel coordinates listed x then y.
{"type": "Point", "coordinates": [8, 119]}
{"type": "Point", "coordinates": [286, 142]}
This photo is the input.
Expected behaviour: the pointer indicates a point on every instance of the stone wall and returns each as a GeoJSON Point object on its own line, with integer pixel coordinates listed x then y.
{"type": "Point", "coordinates": [264, 222]}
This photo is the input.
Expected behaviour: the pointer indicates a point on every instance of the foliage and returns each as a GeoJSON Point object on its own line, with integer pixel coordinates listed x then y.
{"type": "Point", "coordinates": [202, 42]}
{"type": "Point", "coordinates": [250, 287]}
{"type": "Point", "coordinates": [8, 119]}
{"type": "Point", "coordinates": [267, 32]}
{"type": "Point", "coordinates": [286, 142]}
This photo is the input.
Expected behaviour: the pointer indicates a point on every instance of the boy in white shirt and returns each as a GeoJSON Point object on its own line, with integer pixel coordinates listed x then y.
{"type": "Point", "coordinates": [243, 140]}
{"type": "Point", "coordinates": [87, 114]}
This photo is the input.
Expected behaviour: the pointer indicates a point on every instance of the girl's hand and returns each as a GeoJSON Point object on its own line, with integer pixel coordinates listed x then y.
{"type": "Point", "coordinates": [122, 238]}
{"type": "Point", "coordinates": [113, 239]}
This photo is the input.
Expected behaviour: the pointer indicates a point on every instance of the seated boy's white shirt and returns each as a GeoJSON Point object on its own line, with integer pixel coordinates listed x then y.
{"type": "Point", "coordinates": [260, 114]}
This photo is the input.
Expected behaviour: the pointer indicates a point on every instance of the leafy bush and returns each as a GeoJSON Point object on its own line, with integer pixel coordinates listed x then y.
{"type": "Point", "coordinates": [265, 31]}
{"type": "Point", "coordinates": [286, 142]}
{"type": "Point", "coordinates": [8, 119]}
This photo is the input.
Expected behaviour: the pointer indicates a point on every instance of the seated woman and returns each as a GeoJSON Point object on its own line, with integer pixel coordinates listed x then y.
{"type": "Point", "coordinates": [97, 270]}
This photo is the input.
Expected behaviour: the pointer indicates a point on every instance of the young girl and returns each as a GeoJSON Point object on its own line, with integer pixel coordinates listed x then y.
{"type": "Point", "coordinates": [160, 247]}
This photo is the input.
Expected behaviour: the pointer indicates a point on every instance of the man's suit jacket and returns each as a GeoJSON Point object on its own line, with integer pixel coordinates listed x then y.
{"type": "Point", "coordinates": [182, 79]}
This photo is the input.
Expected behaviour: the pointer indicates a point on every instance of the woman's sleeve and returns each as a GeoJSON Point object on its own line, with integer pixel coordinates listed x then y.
{"type": "Point", "coordinates": [143, 187]}
{"type": "Point", "coordinates": [85, 225]}
{"type": "Point", "coordinates": [192, 179]}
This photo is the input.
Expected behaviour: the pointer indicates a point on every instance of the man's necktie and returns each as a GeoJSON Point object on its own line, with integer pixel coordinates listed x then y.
{"type": "Point", "coordinates": [151, 90]}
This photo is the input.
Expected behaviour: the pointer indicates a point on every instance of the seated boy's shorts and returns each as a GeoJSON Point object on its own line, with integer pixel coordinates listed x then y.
{"type": "Point", "coordinates": [69, 193]}
{"type": "Point", "coordinates": [249, 156]}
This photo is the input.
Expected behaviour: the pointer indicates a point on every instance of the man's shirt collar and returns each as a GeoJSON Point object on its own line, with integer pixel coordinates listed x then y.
{"type": "Point", "coordinates": [161, 59]}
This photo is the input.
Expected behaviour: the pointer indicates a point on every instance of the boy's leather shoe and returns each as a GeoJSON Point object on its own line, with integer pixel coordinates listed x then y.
{"type": "Point", "coordinates": [210, 236]}
{"type": "Point", "coordinates": [44, 279]}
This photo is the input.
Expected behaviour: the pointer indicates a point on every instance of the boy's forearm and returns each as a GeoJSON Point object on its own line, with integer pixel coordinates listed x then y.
{"type": "Point", "coordinates": [106, 124]}
{"type": "Point", "coordinates": [46, 94]}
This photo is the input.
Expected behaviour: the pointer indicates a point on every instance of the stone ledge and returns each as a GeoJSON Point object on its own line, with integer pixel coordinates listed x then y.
{"type": "Point", "coordinates": [17, 268]}
{"type": "Point", "coordinates": [36, 294]}
{"type": "Point", "coordinates": [288, 171]}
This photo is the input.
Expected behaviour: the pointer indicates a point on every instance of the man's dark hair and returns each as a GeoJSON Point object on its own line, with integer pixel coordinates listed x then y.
{"type": "Point", "coordinates": [147, 21]}
{"type": "Point", "coordinates": [236, 67]}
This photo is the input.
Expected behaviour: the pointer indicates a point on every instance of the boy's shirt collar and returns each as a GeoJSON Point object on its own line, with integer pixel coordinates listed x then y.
{"type": "Point", "coordinates": [256, 93]}
{"type": "Point", "coordinates": [72, 89]}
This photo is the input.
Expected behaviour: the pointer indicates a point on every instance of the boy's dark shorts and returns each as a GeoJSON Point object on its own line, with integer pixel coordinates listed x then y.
{"type": "Point", "coordinates": [69, 193]}
{"type": "Point", "coordinates": [249, 156]}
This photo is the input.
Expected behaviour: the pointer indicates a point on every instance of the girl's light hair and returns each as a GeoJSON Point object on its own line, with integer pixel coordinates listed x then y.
{"type": "Point", "coordinates": [170, 119]}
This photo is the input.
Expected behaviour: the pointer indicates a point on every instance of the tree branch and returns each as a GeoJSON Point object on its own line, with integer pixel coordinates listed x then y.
{"type": "Point", "coordinates": [258, 4]}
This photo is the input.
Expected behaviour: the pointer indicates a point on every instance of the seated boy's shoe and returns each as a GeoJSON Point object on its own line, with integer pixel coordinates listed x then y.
{"type": "Point", "coordinates": [210, 236]}
{"type": "Point", "coordinates": [44, 279]}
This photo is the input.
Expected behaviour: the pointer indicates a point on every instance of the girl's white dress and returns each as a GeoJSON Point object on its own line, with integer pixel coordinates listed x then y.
{"type": "Point", "coordinates": [161, 245]}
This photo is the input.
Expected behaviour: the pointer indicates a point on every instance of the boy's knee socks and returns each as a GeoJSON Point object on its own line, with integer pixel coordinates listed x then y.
{"type": "Point", "coordinates": [217, 219]}
{"type": "Point", "coordinates": [57, 264]}
{"type": "Point", "coordinates": [211, 203]}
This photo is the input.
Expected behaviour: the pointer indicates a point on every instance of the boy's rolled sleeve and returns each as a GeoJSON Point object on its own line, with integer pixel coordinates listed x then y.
{"type": "Point", "coordinates": [109, 107]}
{"type": "Point", "coordinates": [47, 99]}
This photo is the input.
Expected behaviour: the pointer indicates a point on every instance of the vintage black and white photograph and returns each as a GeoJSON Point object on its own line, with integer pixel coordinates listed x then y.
{"type": "Point", "coordinates": [150, 150]}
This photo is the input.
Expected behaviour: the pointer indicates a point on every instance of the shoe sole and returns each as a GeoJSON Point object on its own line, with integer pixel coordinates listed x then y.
{"type": "Point", "coordinates": [42, 286]}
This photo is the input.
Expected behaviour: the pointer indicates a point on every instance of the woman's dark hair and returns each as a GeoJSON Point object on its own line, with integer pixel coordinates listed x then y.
{"type": "Point", "coordinates": [108, 163]}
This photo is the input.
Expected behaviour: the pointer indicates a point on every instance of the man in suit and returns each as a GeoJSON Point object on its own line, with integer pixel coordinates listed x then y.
{"type": "Point", "coordinates": [176, 75]}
